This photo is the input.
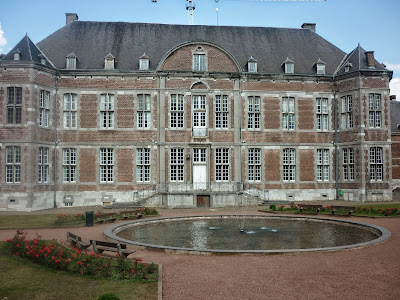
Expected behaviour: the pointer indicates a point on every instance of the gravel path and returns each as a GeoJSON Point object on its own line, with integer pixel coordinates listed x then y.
{"type": "Point", "coordinates": [368, 273]}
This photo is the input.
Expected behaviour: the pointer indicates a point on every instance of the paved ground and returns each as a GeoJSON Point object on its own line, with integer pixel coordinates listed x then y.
{"type": "Point", "coordinates": [368, 273]}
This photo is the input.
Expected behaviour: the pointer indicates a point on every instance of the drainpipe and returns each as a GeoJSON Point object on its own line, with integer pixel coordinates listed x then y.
{"type": "Point", "coordinates": [335, 143]}
{"type": "Point", "coordinates": [55, 144]}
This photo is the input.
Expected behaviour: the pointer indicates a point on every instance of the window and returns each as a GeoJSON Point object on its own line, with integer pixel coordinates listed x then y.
{"type": "Point", "coordinates": [14, 105]}
{"type": "Point", "coordinates": [143, 62]}
{"type": "Point", "coordinates": [288, 115]}
{"type": "Point", "coordinates": [13, 164]}
{"type": "Point", "coordinates": [323, 164]}
{"type": "Point", "coordinates": [254, 164]}
{"type": "Point", "coordinates": [71, 61]}
{"type": "Point", "coordinates": [321, 108]}
{"type": "Point", "coordinates": [143, 164]}
{"type": "Point", "coordinates": [254, 112]}
{"type": "Point", "coordinates": [69, 164]}
{"type": "Point", "coordinates": [221, 112]}
{"type": "Point", "coordinates": [320, 69]}
{"type": "Point", "coordinates": [199, 115]}
{"type": "Point", "coordinates": [199, 155]}
{"type": "Point", "coordinates": [106, 165]}
{"type": "Point", "coordinates": [222, 164]}
{"type": "Point", "coordinates": [252, 65]}
{"type": "Point", "coordinates": [375, 163]}
{"type": "Point", "coordinates": [347, 67]}
{"type": "Point", "coordinates": [348, 163]}
{"type": "Point", "coordinates": [199, 62]}
{"type": "Point", "coordinates": [289, 164]}
{"type": "Point", "coordinates": [43, 165]}
{"type": "Point", "coordinates": [109, 62]}
{"type": "Point", "coordinates": [143, 112]}
{"type": "Point", "coordinates": [375, 110]}
{"type": "Point", "coordinates": [107, 110]}
{"type": "Point", "coordinates": [289, 66]}
{"type": "Point", "coordinates": [44, 108]}
{"type": "Point", "coordinates": [70, 110]}
{"type": "Point", "coordinates": [177, 111]}
{"type": "Point", "coordinates": [347, 112]}
{"type": "Point", "coordinates": [177, 164]}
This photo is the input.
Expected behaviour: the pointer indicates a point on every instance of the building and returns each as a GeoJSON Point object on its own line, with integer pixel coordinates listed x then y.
{"type": "Point", "coordinates": [187, 116]}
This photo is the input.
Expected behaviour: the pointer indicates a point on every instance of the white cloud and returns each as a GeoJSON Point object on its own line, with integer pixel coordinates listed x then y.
{"type": "Point", "coordinates": [392, 67]}
{"type": "Point", "coordinates": [3, 40]}
{"type": "Point", "coordinates": [394, 86]}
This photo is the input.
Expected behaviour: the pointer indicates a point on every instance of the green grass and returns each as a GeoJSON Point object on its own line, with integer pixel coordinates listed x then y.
{"type": "Point", "coordinates": [22, 280]}
{"type": "Point", "coordinates": [27, 221]}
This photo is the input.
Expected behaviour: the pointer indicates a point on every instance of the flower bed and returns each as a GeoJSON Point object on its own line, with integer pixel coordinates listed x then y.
{"type": "Point", "coordinates": [76, 219]}
{"type": "Point", "coordinates": [53, 255]}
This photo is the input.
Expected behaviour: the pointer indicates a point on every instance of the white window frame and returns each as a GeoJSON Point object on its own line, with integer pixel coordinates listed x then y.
{"type": "Point", "coordinates": [199, 62]}
{"type": "Point", "coordinates": [71, 63]}
{"type": "Point", "coordinates": [107, 111]}
{"type": "Point", "coordinates": [222, 164]}
{"type": "Point", "coordinates": [322, 113]}
{"type": "Point", "coordinates": [376, 163]}
{"type": "Point", "coordinates": [321, 69]}
{"type": "Point", "coordinates": [254, 112]}
{"type": "Point", "coordinates": [143, 163]}
{"type": "Point", "coordinates": [288, 113]}
{"type": "Point", "coordinates": [348, 164]}
{"type": "Point", "coordinates": [43, 165]}
{"type": "Point", "coordinates": [252, 66]}
{"type": "Point", "coordinates": [289, 164]}
{"type": "Point", "coordinates": [199, 155]}
{"type": "Point", "coordinates": [69, 165]}
{"type": "Point", "coordinates": [70, 110]}
{"type": "Point", "coordinates": [323, 160]}
{"type": "Point", "coordinates": [375, 110]}
{"type": "Point", "coordinates": [14, 105]}
{"type": "Point", "coordinates": [254, 164]}
{"type": "Point", "coordinates": [221, 112]}
{"type": "Point", "coordinates": [177, 111]}
{"type": "Point", "coordinates": [106, 165]}
{"type": "Point", "coordinates": [289, 68]}
{"type": "Point", "coordinates": [347, 112]}
{"type": "Point", "coordinates": [143, 64]}
{"type": "Point", "coordinates": [13, 164]}
{"type": "Point", "coordinates": [144, 111]}
{"type": "Point", "coordinates": [177, 165]}
{"type": "Point", "coordinates": [44, 108]}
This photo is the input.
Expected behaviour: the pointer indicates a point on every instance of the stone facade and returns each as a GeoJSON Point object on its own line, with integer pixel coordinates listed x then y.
{"type": "Point", "coordinates": [174, 136]}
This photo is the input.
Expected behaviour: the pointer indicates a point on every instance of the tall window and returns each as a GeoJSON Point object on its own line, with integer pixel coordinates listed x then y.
{"type": "Point", "coordinates": [70, 110]}
{"type": "Point", "coordinates": [199, 155]}
{"type": "Point", "coordinates": [199, 62]}
{"type": "Point", "coordinates": [43, 165]}
{"type": "Point", "coordinates": [69, 164]}
{"type": "Point", "coordinates": [221, 111]}
{"type": "Point", "coordinates": [323, 164]}
{"type": "Point", "coordinates": [143, 111]}
{"type": "Point", "coordinates": [177, 164]}
{"type": "Point", "coordinates": [177, 111]}
{"type": "Point", "coordinates": [289, 164]}
{"type": "Point", "coordinates": [199, 115]}
{"type": "Point", "coordinates": [375, 110]}
{"type": "Point", "coordinates": [288, 114]}
{"type": "Point", "coordinates": [106, 165]}
{"type": "Point", "coordinates": [143, 164]}
{"type": "Point", "coordinates": [348, 163]}
{"type": "Point", "coordinates": [44, 108]}
{"type": "Point", "coordinates": [375, 163]}
{"type": "Point", "coordinates": [254, 163]}
{"type": "Point", "coordinates": [347, 112]}
{"type": "Point", "coordinates": [13, 164]}
{"type": "Point", "coordinates": [254, 112]}
{"type": "Point", "coordinates": [107, 110]}
{"type": "Point", "coordinates": [222, 164]}
{"type": "Point", "coordinates": [321, 108]}
{"type": "Point", "coordinates": [14, 105]}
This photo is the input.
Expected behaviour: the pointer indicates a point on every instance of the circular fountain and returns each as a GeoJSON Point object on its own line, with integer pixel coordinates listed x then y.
{"type": "Point", "coordinates": [262, 234]}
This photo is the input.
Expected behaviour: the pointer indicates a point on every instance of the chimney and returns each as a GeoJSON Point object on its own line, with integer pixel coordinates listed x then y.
{"type": "Point", "coordinates": [370, 59]}
{"type": "Point", "coordinates": [71, 17]}
{"type": "Point", "coordinates": [310, 26]}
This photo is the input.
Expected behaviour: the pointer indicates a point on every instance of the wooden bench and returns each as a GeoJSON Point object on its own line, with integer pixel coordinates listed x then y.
{"type": "Point", "coordinates": [345, 210]}
{"type": "Point", "coordinates": [109, 217]}
{"type": "Point", "coordinates": [100, 246]}
{"type": "Point", "coordinates": [314, 208]}
{"type": "Point", "coordinates": [132, 214]}
{"type": "Point", "coordinates": [76, 241]}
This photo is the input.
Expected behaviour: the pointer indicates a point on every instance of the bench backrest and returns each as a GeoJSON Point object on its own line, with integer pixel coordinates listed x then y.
{"type": "Point", "coordinates": [131, 212]}
{"type": "Point", "coordinates": [343, 207]}
{"type": "Point", "coordinates": [310, 205]}
{"type": "Point", "coordinates": [72, 236]}
{"type": "Point", "coordinates": [108, 244]}
{"type": "Point", "coordinates": [105, 215]}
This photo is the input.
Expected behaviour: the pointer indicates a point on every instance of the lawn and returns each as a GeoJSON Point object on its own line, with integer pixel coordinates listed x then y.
{"type": "Point", "coordinates": [21, 279]}
{"type": "Point", "coordinates": [27, 221]}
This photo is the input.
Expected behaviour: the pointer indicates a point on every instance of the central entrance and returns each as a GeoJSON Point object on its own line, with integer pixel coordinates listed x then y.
{"type": "Point", "coordinates": [199, 169]}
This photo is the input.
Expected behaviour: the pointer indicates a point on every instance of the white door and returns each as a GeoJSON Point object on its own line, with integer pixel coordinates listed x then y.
{"type": "Point", "coordinates": [199, 169]}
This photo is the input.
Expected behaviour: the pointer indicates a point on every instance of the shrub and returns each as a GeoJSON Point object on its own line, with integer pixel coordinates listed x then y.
{"type": "Point", "coordinates": [63, 219]}
{"type": "Point", "coordinates": [272, 207]}
{"type": "Point", "coordinates": [108, 296]}
{"type": "Point", "coordinates": [150, 211]}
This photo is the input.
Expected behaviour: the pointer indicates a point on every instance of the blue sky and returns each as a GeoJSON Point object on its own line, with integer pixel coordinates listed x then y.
{"type": "Point", "coordinates": [345, 23]}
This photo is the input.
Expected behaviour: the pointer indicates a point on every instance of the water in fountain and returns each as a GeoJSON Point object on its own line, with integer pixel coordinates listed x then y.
{"type": "Point", "coordinates": [241, 212]}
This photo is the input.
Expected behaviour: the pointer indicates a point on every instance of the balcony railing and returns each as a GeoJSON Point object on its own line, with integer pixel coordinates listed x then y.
{"type": "Point", "coordinates": [172, 187]}
{"type": "Point", "coordinates": [199, 132]}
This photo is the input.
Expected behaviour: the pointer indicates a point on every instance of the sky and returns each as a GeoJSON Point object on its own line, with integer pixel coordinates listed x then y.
{"type": "Point", "coordinates": [345, 23]}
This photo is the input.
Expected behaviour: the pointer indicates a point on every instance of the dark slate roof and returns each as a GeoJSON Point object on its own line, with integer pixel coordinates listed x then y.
{"type": "Point", "coordinates": [395, 115]}
{"type": "Point", "coordinates": [92, 41]}
{"type": "Point", "coordinates": [28, 52]}
{"type": "Point", "coordinates": [358, 59]}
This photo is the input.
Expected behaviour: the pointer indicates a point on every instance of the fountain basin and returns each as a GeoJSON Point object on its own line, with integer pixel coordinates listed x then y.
{"type": "Point", "coordinates": [261, 234]}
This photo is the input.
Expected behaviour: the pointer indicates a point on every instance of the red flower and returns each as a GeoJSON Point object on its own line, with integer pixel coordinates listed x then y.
{"type": "Point", "coordinates": [9, 240]}
{"type": "Point", "coordinates": [132, 271]}
{"type": "Point", "coordinates": [79, 263]}
{"type": "Point", "coordinates": [117, 255]}
{"type": "Point", "coordinates": [57, 261]}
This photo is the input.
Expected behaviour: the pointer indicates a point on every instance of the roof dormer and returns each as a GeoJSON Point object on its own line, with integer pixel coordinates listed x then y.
{"type": "Point", "coordinates": [252, 65]}
{"type": "Point", "coordinates": [109, 62]}
{"type": "Point", "coordinates": [42, 59]}
{"type": "Point", "coordinates": [144, 62]}
{"type": "Point", "coordinates": [71, 61]}
{"type": "Point", "coordinates": [347, 67]}
{"type": "Point", "coordinates": [17, 54]}
{"type": "Point", "coordinates": [320, 65]}
{"type": "Point", "coordinates": [288, 65]}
